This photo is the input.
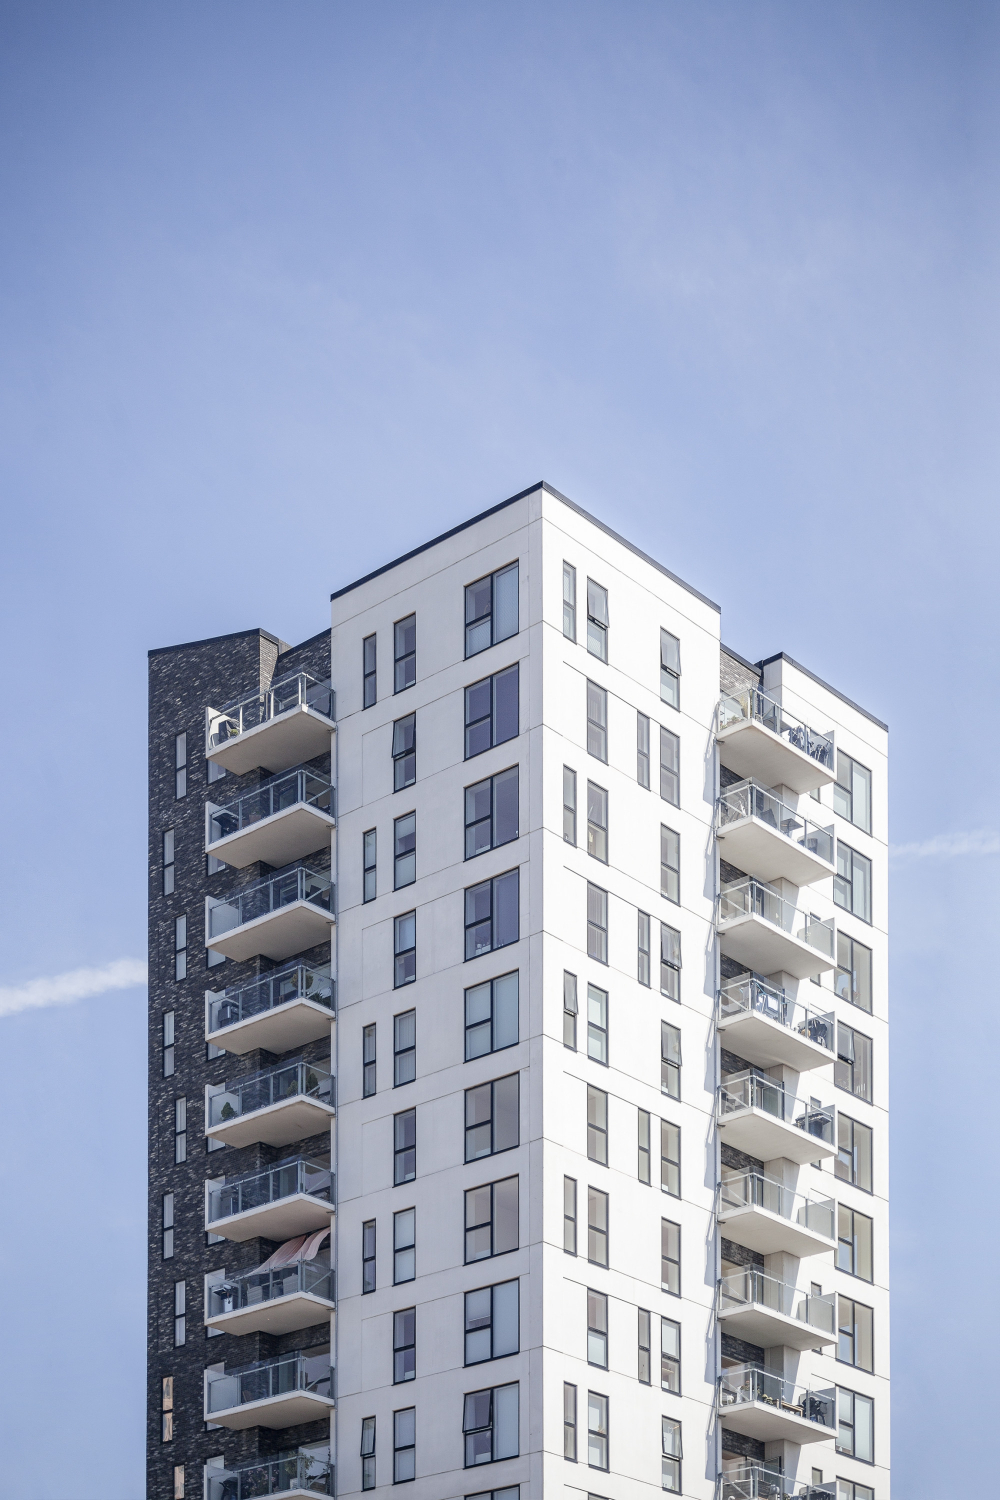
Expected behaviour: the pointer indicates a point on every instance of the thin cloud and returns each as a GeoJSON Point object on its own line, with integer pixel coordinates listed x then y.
{"type": "Point", "coordinates": [78, 984]}
{"type": "Point", "coordinates": [950, 845]}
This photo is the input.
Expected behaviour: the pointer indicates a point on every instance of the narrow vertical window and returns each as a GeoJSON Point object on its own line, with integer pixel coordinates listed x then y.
{"type": "Point", "coordinates": [597, 1126]}
{"type": "Point", "coordinates": [670, 864]}
{"type": "Point", "coordinates": [404, 634]}
{"type": "Point", "coordinates": [853, 1068]}
{"type": "Point", "coordinates": [854, 1152]}
{"type": "Point", "coordinates": [569, 601]}
{"type": "Point", "coordinates": [368, 1256]}
{"type": "Point", "coordinates": [597, 1227]}
{"type": "Point", "coordinates": [597, 620]}
{"type": "Point", "coordinates": [404, 752]}
{"type": "Point", "coordinates": [180, 1313]}
{"type": "Point", "coordinates": [178, 1482]}
{"type": "Point", "coordinates": [404, 1246]}
{"type": "Point", "coordinates": [569, 1215]}
{"type": "Point", "coordinates": [644, 1147]}
{"type": "Point", "coordinates": [597, 822]}
{"type": "Point", "coordinates": [670, 1060]}
{"type": "Point", "coordinates": [404, 1146]}
{"type": "Point", "coordinates": [569, 1010]}
{"type": "Point", "coordinates": [597, 1329]}
{"type": "Point", "coordinates": [852, 792]}
{"type": "Point", "coordinates": [855, 1333]}
{"type": "Point", "coordinates": [369, 842]}
{"type": "Point", "coordinates": [670, 962]}
{"type": "Point", "coordinates": [597, 923]}
{"type": "Point", "coordinates": [597, 722]}
{"type": "Point", "coordinates": [670, 1158]}
{"type": "Point", "coordinates": [645, 1351]}
{"type": "Point", "coordinates": [167, 1409]}
{"type": "Point", "coordinates": [670, 1356]}
{"type": "Point", "coordinates": [180, 1130]}
{"type": "Point", "coordinates": [168, 1226]}
{"type": "Point", "coordinates": [368, 1061]}
{"type": "Point", "coordinates": [670, 767]}
{"type": "Point", "coordinates": [404, 869]}
{"type": "Point", "coordinates": [180, 765]}
{"type": "Point", "coordinates": [368, 1453]}
{"type": "Point", "coordinates": [569, 806]}
{"type": "Point", "coordinates": [569, 1422]}
{"type": "Point", "coordinates": [368, 665]}
{"type": "Point", "coordinates": [597, 1024]}
{"type": "Point", "coordinates": [853, 979]}
{"type": "Point", "coordinates": [404, 1445]}
{"type": "Point", "coordinates": [852, 884]}
{"type": "Point", "coordinates": [855, 1425]}
{"type": "Point", "coordinates": [597, 1430]}
{"type": "Point", "coordinates": [168, 1044]}
{"type": "Point", "coordinates": [405, 949]}
{"type": "Point", "coordinates": [670, 669]}
{"type": "Point", "coordinates": [404, 1048]}
{"type": "Point", "coordinates": [642, 751]}
{"type": "Point", "coordinates": [180, 948]}
{"type": "Point", "coordinates": [644, 960]}
{"type": "Point", "coordinates": [670, 1257]}
{"type": "Point", "coordinates": [672, 1454]}
{"type": "Point", "coordinates": [168, 862]}
{"type": "Point", "coordinates": [404, 1345]}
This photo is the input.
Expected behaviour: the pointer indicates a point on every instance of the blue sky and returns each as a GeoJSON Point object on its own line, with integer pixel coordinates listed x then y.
{"type": "Point", "coordinates": [288, 288]}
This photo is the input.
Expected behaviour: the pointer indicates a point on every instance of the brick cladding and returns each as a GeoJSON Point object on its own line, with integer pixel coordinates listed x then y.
{"type": "Point", "coordinates": [183, 680]}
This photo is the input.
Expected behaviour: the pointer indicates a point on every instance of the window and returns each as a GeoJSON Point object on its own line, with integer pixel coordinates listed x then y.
{"type": "Point", "coordinates": [180, 1130]}
{"type": "Point", "coordinates": [214, 772]}
{"type": "Point", "coordinates": [491, 914]}
{"type": "Point", "coordinates": [670, 1356]}
{"type": "Point", "coordinates": [597, 1329]}
{"type": "Point", "coordinates": [178, 1482]}
{"type": "Point", "coordinates": [855, 1425]}
{"type": "Point", "coordinates": [404, 634]}
{"type": "Point", "coordinates": [569, 602]}
{"type": "Point", "coordinates": [404, 752]}
{"type": "Point", "coordinates": [854, 1334]}
{"type": "Point", "coordinates": [597, 1430]}
{"type": "Point", "coordinates": [670, 767]}
{"type": "Point", "coordinates": [180, 765]}
{"type": "Point", "coordinates": [644, 965]}
{"type": "Point", "coordinates": [405, 949]}
{"type": "Point", "coordinates": [492, 1327]}
{"type": "Point", "coordinates": [670, 1257]}
{"type": "Point", "coordinates": [569, 1422]}
{"type": "Point", "coordinates": [368, 1453]}
{"type": "Point", "coordinates": [404, 1442]}
{"type": "Point", "coordinates": [597, 620]}
{"type": "Point", "coordinates": [670, 669]}
{"type": "Point", "coordinates": [597, 722]}
{"type": "Point", "coordinates": [854, 1243]}
{"type": "Point", "coordinates": [404, 1146]}
{"type": "Point", "coordinates": [670, 1060]}
{"type": "Point", "coordinates": [670, 962]}
{"type": "Point", "coordinates": [404, 1241]}
{"type": "Point", "coordinates": [492, 1117]}
{"type": "Point", "coordinates": [853, 1069]}
{"type": "Point", "coordinates": [368, 1256]}
{"type": "Point", "coordinates": [672, 1455]}
{"type": "Point", "coordinates": [854, 1152]}
{"type": "Point", "coordinates": [168, 1044]}
{"type": "Point", "coordinates": [404, 1345]}
{"type": "Point", "coordinates": [404, 850]}
{"type": "Point", "coordinates": [852, 792]}
{"type": "Point", "coordinates": [369, 843]}
{"type": "Point", "coordinates": [852, 884]}
{"type": "Point", "coordinates": [597, 923]}
{"type": "Point", "coordinates": [853, 979]}
{"type": "Point", "coordinates": [490, 1424]}
{"type": "Point", "coordinates": [670, 1158]}
{"type": "Point", "coordinates": [404, 1048]}
{"type": "Point", "coordinates": [168, 862]}
{"type": "Point", "coordinates": [491, 610]}
{"type": "Point", "coordinates": [491, 1226]}
{"type": "Point", "coordinates": [642, 751]}
{"type": "Point", "coordinates": [569, 1010]}
{"type": "Point", "coordinates": [597, 1227]}
{"type": "Point", "coordinates": [368, 669]}
{"type": "Point", "coordinates": [569, 1215]}
{"type": "Point", "coordinates": [645, 1360]}
{"type": "Point", "coordinates": [368, 1061]}
{"type": "Point", "coordinates": [180, 1313]}
{"type": "Point", "coordinates": [569, 806]}
{"type": "Point", "coordinates": [491, 712]}
{"type": "Point", "coordinates": [597, 1126]}
{"type": "Point", "coordinates": [670, 864]}
{"type": "Point", "coordinates": [644, 1147]}
{"type": "Point", "coordinates": [167, 1408]}
{"type": "Point", "coordinates": [491, 813]}
{"type": "Point", "coordinates": [597, 1024]}
{"type": "Point", "coordinates": [491, 1021]}
{"type": "Point", "coordinates": [180, 948]}
{"type": "Point", "coordinates": [848, 1491]}
{"type": "Point", "coordinates": [168, 1226]}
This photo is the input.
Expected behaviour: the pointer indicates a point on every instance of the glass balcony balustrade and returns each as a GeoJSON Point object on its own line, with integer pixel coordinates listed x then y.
{"type": "Point", "coordinates": [294, 1079]}
{"type": "Point", "coordinates": [761, 1481]}
{"type": "Point", "coordinates": [752, 1288]}
{"type": "Point", "coordinates": [298, 788]}
{"type": "Point", "coordinates": [252, 1288]}
{"type": "Point", "coordinates": [299, 691]}
{"type": "Point", "coordinates": [750, 995]}
{"type": "Point", "coordinates": [293, 982]}
{"type": "Point", "coordinates": [755, 898]}
{"type": "Point", "coordinates": [270, 895]}
{"type": "Point", "coordinates": [741, 1190]}
{"type": "Point", "coordinates": [755, 1090]}
{"type": "Point", "coordinates": [747, 1384]}
{"type": "Point", "coordinates": [269, 1378]}
{"type": "Point", "coordinates": [252, 1190]}
{"type": "Point", "coordinates": [755, 706]}
{"type": "Point", "coordinates": [748, 799]}
{"type": "Point", "coordinates": [286, 1472]}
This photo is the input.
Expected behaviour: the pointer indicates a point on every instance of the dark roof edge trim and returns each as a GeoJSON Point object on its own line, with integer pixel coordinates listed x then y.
{"type": "Point", "coordinates": [216, 640]}
{"type": "Point", "coordinates": [751, 666]}
{"type": "Point", "coordinates": [521, 495]}
{"type": "Point", "coordinates": [783, 656]}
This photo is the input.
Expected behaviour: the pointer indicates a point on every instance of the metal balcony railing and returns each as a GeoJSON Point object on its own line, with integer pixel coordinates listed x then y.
{"type": "Point", "coordinates": [267, 1378]}
{"type": "Point", "coordinates": [294, 1079]}
{"type": "Point", "coordinates": [251, 1288]}
{"type": "Point", "coordinates": [271, 1476]}
{"type": "Point", "coordinates": [749, 995]}
{"type": "Point", "coordinates": [299, 1174]}
{"type": "Point", "coordinates": [750, 897]}
{"type": "Point", "coordinates": [295, 982]}
{"type": "Point", "coordinates": [296, 884]}
{"type": "Point", "coordinates": [748, 799]}
{"type": "Point", "coordinates": [758, 707]}
{"type": "Point", "coordinates": [753, 1383]}
{"type": "Point", "coordinates": [299, 691]}
{"type": "Point", "coordinates": [754, 1190]}
{"type": "Point", "coordinates": [757, 1481]}
{"type": "Point", "coordinates": [751, 1287]}
{"type": "Point", "coordinates": [755, 1090]}
{"type": "Point", "coordinates": [292, 788]}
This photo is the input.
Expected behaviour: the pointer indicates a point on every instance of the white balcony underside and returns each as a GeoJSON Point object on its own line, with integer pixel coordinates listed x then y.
{"type": "Point", "coordinates": [758, 849]}
{"type": "Point", "coordinates": [765, 1042]}
{"type": "Point", "coordinates": [288, 1410]}
{"type": "Point", "coordinates": [299, 1213]}
{"type": "Point", "coordinates": [277, 1125]}
{"type": "Point", "coordinates": [278, 840]}
{"type": "Point", "coordinates": [277, 934]}
{"type": "Point", "coordinates": [772, 1423]}
{"type": "Point", "coordinates": [768, 1233]}
{"type": "Point", "coordinates": [764, 1136]}
{"type": "Point", "coordinates": [280, 1029]}
{"type": "Point", "coordinates": [277, 1315]}
{"type": "Point", "coordinates": [750, 750]}
{"type": "Point", "coordinates": [765, 948]}
{"type": "Point", "coordinates": [287, 740]}
{"type": "Point", "coordinates": [767, 1328]}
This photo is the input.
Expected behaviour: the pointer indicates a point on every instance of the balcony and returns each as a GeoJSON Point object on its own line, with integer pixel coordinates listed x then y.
{"type": "Point", "coordinates": [758, 738]}
{"type": "Point", "coordinates": [762, 1405]}
{"type": "Point", "coordinates": [286, 1472]}
{"type": "Point", "coordinates": [273, 1393]}
{"type": "Point", "coordinates": [757, 1022]}
{"type": "Point", "coordinates": [758, 1115]}
{"type": "Point", "coordinates": [765, 1311]}
{"type": "Point", "coordinates": [282, 915]}
{"type": "Point", "coordinates": [287, 818]}
{"type": "Point", "coordinates": [276, 1106]}
{"type": "Point", "coordinates": [757, 1481]}
{"type": "Point", "coordinates": [289, 723]}
{"type": "Point", "coordinates": [275, 1298]}
{"type": "Point", "coordinates": [285, 1009]}
{"type": "Point", "coordinates": [766, 1216]}
{"type": "Point", "coordinates": [293, 1197]}
{"type": "Point", "coordinates": [765, 933]}
{"type": "Point", "coordinates": [764, 836]}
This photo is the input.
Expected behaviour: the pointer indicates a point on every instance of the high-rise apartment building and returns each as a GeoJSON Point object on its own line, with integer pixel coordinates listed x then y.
{"type": "Point", "coordinates": [518, 1045]}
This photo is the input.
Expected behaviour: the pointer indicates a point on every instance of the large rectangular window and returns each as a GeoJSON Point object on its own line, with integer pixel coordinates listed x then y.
{"type": "Point", "coordinates": [368, 1453]}
{"type": "Point", "coordinates": [491, 1219]}
{"type": "Point", "coordinates": [597, 722]}
{"type": "Point", "coordinates": [670, 864]}
{"type": "Point", "coordinates": [854, 1152]}
{"type": "Point", "coordinates": [670, 1356]}
{"type": "Point", "coordinates": [569, 1422]}
{"type": "Point", "coordinates": [491, 712]}
{"type": "Point", "coordinates": [168, 862]}
{"type": "Point", "coordinates": [491, 1021]}
{"type": "Point", "coordinates": [852, 792]}
{"type": "Point", "coordinates": [569, 1215]}
{"type": "Point", "coordinates": [597, 822]}
{"type": "Point", "coordinates": [670, 669]}
{"type": "Point", "coordinates": [491, 914]}
{"type": "Point", "coordinates": [570, 1009]}
{"type": "Point", "coordinates": [597, 923]}
{"type": "Point", "coordinates": [597, 620]}
{"type": "Point", "coordinates": [569, 601]}
{"type": "Point", "coordinates": [670, 1257]}
{"type": "Point", "coordinates": [491, 812]}
{"type": "Point", "coordinates": [180, 765]}
{"type": "Point", "coordinates": [368, 670]}
{"type": "Point", "coordinates": [404, 752]}
{"type": "Point", "coordinates": [856, 1425]}
{"type": "Point", "coordinates": [643, 974]}
{"type": "Point", "coordinates": [492, 1326]}
{"type": "Point", "coordinates": [854, 1243]}
{"type": "Point", "coordinates": [597, 1125]}
{"type": "Point", "coordinates": [569, 806]}
{"type": "Point", "coordinates": [670, 962]}
{"type": "Point", "coordinates": [368, 1256]}
{"type": "Point", "coordinates": [670, 1158]}
{"type": "Point", "coordinates": [369, 846]}
{"type": "Point", "coordinates": [597, 1024]}
{"type": "Point", "coordinates": [492, 1117]}
{"type": "Point", "coordinates": [404, 1345]}
{"type": "Point", "coordinates": [853, 979]}
{"type": "Point", "coordinates": [368, 1061]}
{"type": "Point", "coordinates": [597, 1227]}
{"type": "Point", "coordinates": [642, 751]}
{"type": "Point", "coordinates": [404, 850]}
{"type": "Point", "coordinates": [404, 949]}
{"type": "Point", "coordinates": [404, 1445]}
{"type": "Point", "coordinates": [180, 947]}
{"type": "Point", "coordinates": [853, 1069]}
{"type": "Point", "coordinates": [597, 1329]}
{"type": "Point", "coordinates": [490, 1425]}
{"type": "Point", "coordinates": [670, 767]}
{"type": "Point", "coordinates": [670, 1060]}
{"type": "Point", "coordinates": [852, 884]}
{"type": "Point", "coordinates": [404, 636]}
{"type": "Point", "coordinates": [597, 1431]}
{"type": "Point", "coordinates": [404, 1147]}
{"type": "Point", "coordinates": [670, 1477]}
{"type": "Point", "coordinates": [404, 1048]}
{"type": "Point", "coordinates": [404, 1246]}
{"type": "Point", "coordinates": [854, 1334]}
{"type": "Point", "coordinates": [491, 610]}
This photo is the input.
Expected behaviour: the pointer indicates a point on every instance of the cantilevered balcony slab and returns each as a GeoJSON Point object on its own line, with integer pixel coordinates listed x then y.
{"type": "Point", "coordinates": [289, 723]}
{"type": "Point", "coordinates": [277, 840]}
{"type": "Point", "coordinates": [273, 1299]}
{"type": "Point", "coordinates": [292, 1197]}
{"type": "Point", "coordinates": [762, 1214]}
{"type": "Point", "coordinates": [758, 1022]}
{"type": "Point", "coordinates": [765, 933]}
{"type": "Point", "coordinates": [761, 1405]}
{"type": "Point", "coordinates": [766, 1312]}
{"type": "Point", "coordinates": [299, 1213]}
{"type": "Point", "coordinates": [283, 915]}
{"type": "Point", "coordinates": [756, 1116]}
{"type": "Point", "coordinates": [757, 738]}
{"type": "Point", "coordinates": [277, 1106]}
{"type": "Point", "coordinates": [285, 1315]}
{"type": "Point", "coordinates": [279, 1012]}
{"type": "Point", "coordinates": [289, 1409]}
{"type": "Point", "coordinates": [276, 1124]}
{"type": "Point", "coordinates": [760, 834]}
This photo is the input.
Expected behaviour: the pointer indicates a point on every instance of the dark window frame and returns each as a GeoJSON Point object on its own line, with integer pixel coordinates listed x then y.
{"type": "Point", "coordinates": [491, 614]}
{"type": "Point", "coordinates": [404, 1342]}
{"type": "Point", "coordinates": [168, 853]}
{"type": "Point", "coordinates": [404, 1049]}
{"type": "Point", "coordinates": [644, 945]}
{"type": "Point", "coordinates": [495, 735]}
{"type": "Point", "coordinates": [670, 1231]}
{"type": "Point", "coordinates": [850, 1071]}
{"type": "Point", "coordinates": [569, 601]}
{"type": "Point", "coordinates": [369, 864]}
{"type": "Point", "coordinates": [369, 1244]}
{"type": "Point", "coordinates": [404, 851]}
{"type": "Point", "coordinates": [850, 980]}
{"type": "Point", "coordinates": [369, 1060]}
{"type": "Point", "coordinates": [369, 671]}
{"type": "Point", "coordinates": [597, 1328]}
{"type": "Point", "coordinates": [597, 1125]}
{"type": "Point", "coordinates": [404, 1152]}
{"type": "Point", "coordinates": [670, 1067]}
{"type": "Point", "coordinates": [642, 750]}
{"type": "Point", "coordinates": [597, 832]}
{"type": "Point", "coordinates": [670, 767]}
{"type": "Point", "coordinates": [405, 972]}
{"type": "Point", "coordinates": [404, 662]}
{"type": "Point", "coordinates": [844, 792]}
{"type": "Point", "coordinates": [480, 922]}
{"type": "Point", "coordinates": [846, 886]}
{"type": "Point", "coordinates": [405, 1248]}
{"type": "Point", "coordinates": [490, 820]}
{"type": "Point", "coordinates": [571, 1010]}
{"type": "Point", "coordinates": [597, 923]}
{"type": "Point", "coordinates": [670, 669]}
{"type": "Point", "coordinates": [404, 752]}
{"type": "Point", "coordinates": [598, 620]}
{"type": "Point", "coordinates": [670, 864]}
{"type": "Point", "coordinates": [598, 1041]}
{"type": "Point", "coordinates": [596, 1236]}
{"type": "Point", "coordinates": [473, 1097]}
{"type": "Point", "coordinates": [597, 721]}
{"type": "Point", "coordinates": [492, 1020]}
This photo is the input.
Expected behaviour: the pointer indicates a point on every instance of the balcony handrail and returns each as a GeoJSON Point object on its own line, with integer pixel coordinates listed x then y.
{"type": "Point", "coordinates": [751, 799]}
{"type": "Point", "coordinates": [300, 690]}
{"type": "Point", "coordinates": [269, 1377]}
{"type": "Point", "coordinates": [299, 883]}
{"type": "Point", "coordinates": [759, 1481]}
{"type": "Point", "coordinates": [248, 1190]}
{"type": "Point", "coordinates": [756, 1090]}
{"type": "Point", "coordinates": [294, 1079]}
{"type": "Point", "coordinates": [754, 1382]}
{"type": "Point", "coordinates": [753, 704]}
{"type": "Point", "coordinates": [753, 897]}
{"type": "Point", "coordinates": [246, 1289]}
{"type": "Point", "coordinates": [280, 987]}
{"type": "Point", "coordinates": [750, 993]}
{"type": "Point", "coordinates": [753, 1287]}
{"type": "Point", "coordinates": [750, 1188]}
{"type": "Point", "coordinates": [298, 787]}
{"type": "Point", "coordinates": [294, 1472]}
